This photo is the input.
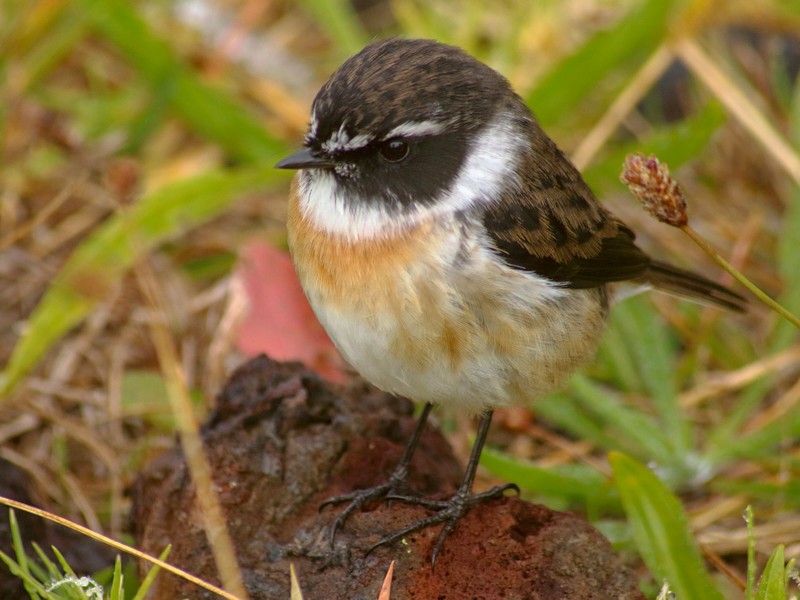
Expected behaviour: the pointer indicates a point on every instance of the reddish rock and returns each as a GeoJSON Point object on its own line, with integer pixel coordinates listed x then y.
{"type": "Point", "coordinates": [282, 440]}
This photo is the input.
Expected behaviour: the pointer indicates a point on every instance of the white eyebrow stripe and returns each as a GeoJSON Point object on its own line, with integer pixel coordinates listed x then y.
{"type": "Point", "coordinates": [412, 128]}
{"type": "Point", "coordinates": [341, 141]}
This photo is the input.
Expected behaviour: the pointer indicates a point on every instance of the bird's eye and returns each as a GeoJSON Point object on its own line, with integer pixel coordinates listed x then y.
{"type": "Point", "coordinates": [394, 150]}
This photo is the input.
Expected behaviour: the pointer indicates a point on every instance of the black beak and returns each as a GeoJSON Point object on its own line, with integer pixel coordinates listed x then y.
{"type": "Point", "coordinates": [305, 159]}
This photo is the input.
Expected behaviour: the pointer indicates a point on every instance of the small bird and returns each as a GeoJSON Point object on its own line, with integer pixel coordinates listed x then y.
{"type": "Point", "coordinates": [450, 249]}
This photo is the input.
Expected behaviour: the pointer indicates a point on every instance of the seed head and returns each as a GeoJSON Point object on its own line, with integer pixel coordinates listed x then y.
{"type": "Point", "coordinates": [651, 183]}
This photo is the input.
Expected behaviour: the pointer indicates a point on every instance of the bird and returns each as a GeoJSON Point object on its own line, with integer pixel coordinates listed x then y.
{"type": "Point", "coordinates": [452, 252]}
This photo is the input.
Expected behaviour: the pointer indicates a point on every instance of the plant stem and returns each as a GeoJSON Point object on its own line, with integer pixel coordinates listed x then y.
{"type": "Point", "coordinates": [757, 291]}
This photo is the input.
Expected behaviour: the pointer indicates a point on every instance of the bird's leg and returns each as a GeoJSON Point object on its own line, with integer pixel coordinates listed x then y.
{"type": "Point", "coordinates": [395, 484]}
{"type": "Point", "coordinates": [450, 511]}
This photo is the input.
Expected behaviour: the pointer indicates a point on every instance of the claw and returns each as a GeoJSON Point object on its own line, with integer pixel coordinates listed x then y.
{"type": "Point", "coordinates": [419, 501]}
{"type": "Point", "coordinates": [449, 512]}
{"type": "Point", "coordinates": [357, 500]}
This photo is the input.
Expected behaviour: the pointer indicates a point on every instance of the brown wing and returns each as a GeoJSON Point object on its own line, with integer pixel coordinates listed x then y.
{"type": "Point", "coordinates": [590, 253]}
{"type": "Point", "coordinates": [558, 230]}
{"type": "Point", "coordinates": [553, 225]}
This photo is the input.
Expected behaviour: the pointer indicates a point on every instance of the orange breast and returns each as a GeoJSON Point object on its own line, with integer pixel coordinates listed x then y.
{"type": "Point", "coordinates": [395, 287]}
{"type": "Point", "coordinates": [352, 275]}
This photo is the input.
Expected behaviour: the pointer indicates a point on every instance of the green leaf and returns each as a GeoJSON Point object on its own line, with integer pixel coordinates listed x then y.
{"type": "Point", "coordinates": [773, 580]}
{"type": "Point", "coordinates": [144, 393]}
{"type": "Point", "coordinates": [63, 562]}
{"type": "Point", "coordinates": [22, 567]}
{"type": "Point", "coordinates": [661, 530]}
{"type": "Point", "coordinates": [674, 144]}
{"type": "Point", "coordinates": [786, 492]}
{"type": "Point", "coordinates": [629, 41]}
{"type": "Point", "coordinates": [614, 359]}
{"type": "Point", "coordinates": [106, 255]}
{"type": "Point", "coordinates": [17, 543]}
{"type": "Point", "coordinates": [718, 448]}
{"type": "Point", "coordinates": [788, 9]}
{"type": "Point", "coordinates": [49, 570]}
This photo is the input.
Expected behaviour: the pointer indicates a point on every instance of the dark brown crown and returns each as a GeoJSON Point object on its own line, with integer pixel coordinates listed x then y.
{"type": "Point", "coordinates": [396, 81]}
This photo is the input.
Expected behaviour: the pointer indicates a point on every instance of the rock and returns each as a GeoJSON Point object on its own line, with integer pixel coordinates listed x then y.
{"type": "Point", "coordinates": [282, 440]}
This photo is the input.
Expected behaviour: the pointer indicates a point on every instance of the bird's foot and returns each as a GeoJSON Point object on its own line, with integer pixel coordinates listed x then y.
{"type": "Point", "coordinates": [395, 488]}
{"type": "Point", "coordinates": [449, 512]}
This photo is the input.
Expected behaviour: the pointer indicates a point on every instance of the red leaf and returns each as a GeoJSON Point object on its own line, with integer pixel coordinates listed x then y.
{"type": "Point", "coordinates": [280, 321]}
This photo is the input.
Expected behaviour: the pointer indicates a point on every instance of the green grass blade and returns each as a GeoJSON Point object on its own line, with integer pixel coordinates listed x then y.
{"type": "Point", "coordinates": [788, 243]}
{"type": "Point", "coordinates": [21, 567]}
{"type": "Point", "coordinates": [34, 588]}
{"type": "Point", "coordinates": [661, 530]}
{"type": "Point", "coordinates": [773, 580]}
{"type": "Point", "coordinates": [756, 444]}
{"type": "Point", "coordinates": [563, 411]}
{"type": "Point", "coordinates": [718, 448]}
{"type": "Point", "coordinates": [150, 578]}
{"type": "Point", "coordinates": [67, 29]}
{"type": "Point", "coordinates": [614, 362]}
{"type": "Point", "coordinates": [49, 570]}
{"type": "Point", "coordinates": [17, 543]}
{"type": "Point", "coordinates": [106, 255]}
{"type": "Point", "coordinates": [63, 562]}
{"type": "Point", "coordinates": [206, 109]}
{"type": "Point", "coordinates": [573, 79]}
{"type": "Point", "coordinates": [579, 484]}
{"type": "Point", "coordinates": [629, 427]}
{"type": "Point", "coordinates": [786, 492]}
{"type": "Point", "coordinates": [117, 590]}
{"type": "Point", "coordinates": [654, 349]}
{"type": "Point", "coordinates": [788, 240]}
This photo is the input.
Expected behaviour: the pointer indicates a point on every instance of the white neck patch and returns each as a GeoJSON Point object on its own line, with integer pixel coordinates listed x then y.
{"type": "Point", "coordinates": [489, 168]}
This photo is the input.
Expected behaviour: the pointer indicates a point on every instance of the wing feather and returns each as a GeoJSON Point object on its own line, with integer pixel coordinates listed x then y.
{"type": "Point", "coordinates": [553, 225]}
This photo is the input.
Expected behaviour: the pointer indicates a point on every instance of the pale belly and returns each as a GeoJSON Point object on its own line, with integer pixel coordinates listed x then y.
{"type": "Point", "coordinates": [475, 362]}
{"type": "Point", "coordinates": [484, 335]}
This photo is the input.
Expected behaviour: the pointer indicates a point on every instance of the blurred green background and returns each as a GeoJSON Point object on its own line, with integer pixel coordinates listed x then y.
{"type": "Point", "coordinates": [146, 132]}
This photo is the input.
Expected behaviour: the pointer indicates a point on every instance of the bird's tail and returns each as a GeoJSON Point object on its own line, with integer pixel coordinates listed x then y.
{"type": "Point", "coordinates": [693, 287]}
